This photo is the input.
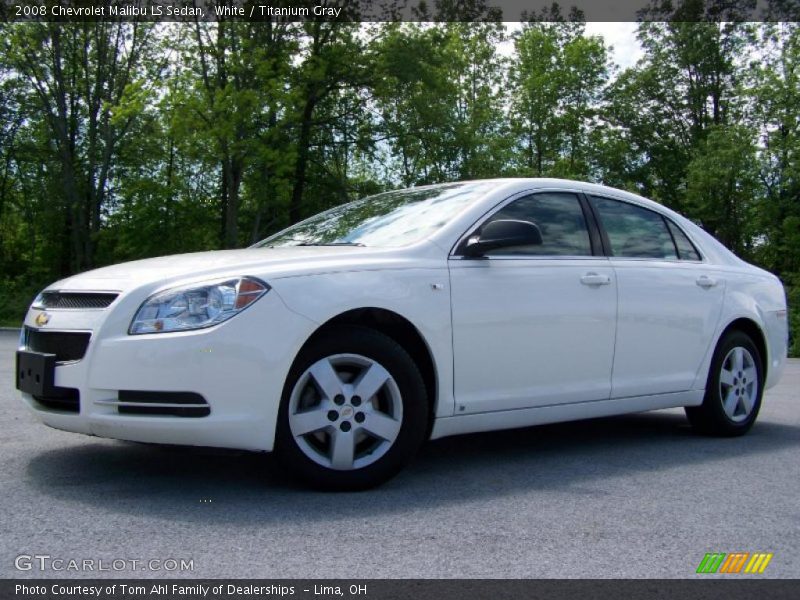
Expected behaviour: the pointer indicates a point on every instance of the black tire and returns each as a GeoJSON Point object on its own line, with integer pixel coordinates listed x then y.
{"type": "Point", "coordinates": [710, 418]}
{"type": "Point", "coordinates": [371, 344]}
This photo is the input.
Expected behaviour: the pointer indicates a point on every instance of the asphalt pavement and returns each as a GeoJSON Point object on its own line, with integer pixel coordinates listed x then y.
{"type": "Point", "coordinates": [633, 496]}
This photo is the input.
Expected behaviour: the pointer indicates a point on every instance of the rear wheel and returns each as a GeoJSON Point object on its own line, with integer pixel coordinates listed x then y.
{"type": "Point", "coordinates": [734, 388]}
{"type": "Point", "coordinates": [353, 412]}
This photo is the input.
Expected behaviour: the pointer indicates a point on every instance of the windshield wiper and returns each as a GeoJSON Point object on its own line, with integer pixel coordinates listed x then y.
{"type": "Point", "coordinates": [331, 244]}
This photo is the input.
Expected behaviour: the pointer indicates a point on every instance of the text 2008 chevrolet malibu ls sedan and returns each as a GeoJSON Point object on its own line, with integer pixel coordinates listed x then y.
{"type": "Point", "coordinates": [345, 341]}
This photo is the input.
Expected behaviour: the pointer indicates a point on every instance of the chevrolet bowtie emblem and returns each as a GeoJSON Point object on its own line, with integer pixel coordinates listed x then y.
{"type": "Point", "coordinates": [42, 319]}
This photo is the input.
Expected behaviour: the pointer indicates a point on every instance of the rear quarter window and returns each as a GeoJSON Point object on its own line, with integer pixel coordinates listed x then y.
{"type": "Point", "coordinates": [686, 250]}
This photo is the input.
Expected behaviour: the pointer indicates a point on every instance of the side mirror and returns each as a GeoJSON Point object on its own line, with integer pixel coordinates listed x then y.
{"type": "Point", "coordinates": [504, 233]}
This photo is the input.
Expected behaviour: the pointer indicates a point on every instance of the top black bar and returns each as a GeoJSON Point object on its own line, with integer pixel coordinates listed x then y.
{"type": "Point", "coordinates": [398, 10]}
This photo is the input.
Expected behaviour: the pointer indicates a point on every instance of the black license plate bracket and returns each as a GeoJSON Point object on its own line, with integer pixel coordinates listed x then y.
{"type": "Point", "coordinates": [36, 373]}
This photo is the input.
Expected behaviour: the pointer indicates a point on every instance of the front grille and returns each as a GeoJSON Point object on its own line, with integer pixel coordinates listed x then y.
{"type": "Point", "coordinates": [66, 345]}
{"type": "Point", "coordinates": [63, 399]}
{"type": "Point", "coordinates": [177, 404]}
{"type": "Point", "coordinates": [60, 300]}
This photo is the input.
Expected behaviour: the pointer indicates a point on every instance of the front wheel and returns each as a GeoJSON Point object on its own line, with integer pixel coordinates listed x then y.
{"type": "Point", "coordinates": [734, 388]}
{"type": "Point", "coordinates": [353, 412]}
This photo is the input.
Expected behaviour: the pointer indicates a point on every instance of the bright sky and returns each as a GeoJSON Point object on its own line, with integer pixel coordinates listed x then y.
{"type": "Point", "coordinates": [622, 36]}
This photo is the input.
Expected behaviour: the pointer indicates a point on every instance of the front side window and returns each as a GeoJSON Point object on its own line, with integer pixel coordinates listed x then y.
{"type": "Point", "coordinates": [635, 232]}
{"type": "Point", "coordinates": [560, 220]}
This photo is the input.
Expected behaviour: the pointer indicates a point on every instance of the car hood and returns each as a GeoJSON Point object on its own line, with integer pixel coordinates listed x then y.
{"type": "Point", "coordinates": [258, 262]}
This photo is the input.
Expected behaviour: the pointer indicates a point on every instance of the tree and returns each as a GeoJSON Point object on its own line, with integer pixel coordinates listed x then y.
{"type": "Point", "coordinates": [333, 60]}
{"type": "Point", "coordinates": [90, 82]}
{"type": "Point", "coordinates": [227, 99]}
{"type": "Point", "coordinates": [556, 86]}
{"type": "Point", "coordinates": [440, 95]}
{"type": "Point", "coordinates": [774, 87]}
{"type": "Point", "coordinates": [722, 186]}
{"type": "Point", "coordinates": [125, 140]}
{"type": "Point", "coordinates": [663, 109]}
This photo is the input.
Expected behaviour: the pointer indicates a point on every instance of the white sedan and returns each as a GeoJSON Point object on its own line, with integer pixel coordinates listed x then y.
{"type": "Point", "coordinates": [345, 341]}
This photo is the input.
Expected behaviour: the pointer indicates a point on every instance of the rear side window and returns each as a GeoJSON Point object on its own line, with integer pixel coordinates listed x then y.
{"type": "Point", "coordinates": [686, 250]}
{"type": "Point", "coordinates": [635, 232]}
{"type": "Point", "coordinates": [560, 219]}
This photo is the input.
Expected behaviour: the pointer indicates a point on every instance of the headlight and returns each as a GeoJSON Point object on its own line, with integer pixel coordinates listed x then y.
{"type": "Point", "coordinates": [38, 302]}
{"type": "Point", "coordinates": [196, 306]}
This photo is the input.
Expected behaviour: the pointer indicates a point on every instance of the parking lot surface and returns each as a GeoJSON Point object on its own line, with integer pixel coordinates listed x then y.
{"type": "Point", "coordinates": [633, 496]}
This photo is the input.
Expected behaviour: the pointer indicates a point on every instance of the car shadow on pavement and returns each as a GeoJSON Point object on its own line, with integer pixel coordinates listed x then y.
{"type": "Point", "coordinates": [203, 485]}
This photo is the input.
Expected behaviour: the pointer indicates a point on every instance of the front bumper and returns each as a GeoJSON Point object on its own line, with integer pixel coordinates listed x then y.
{"type": "Point", "coordinates": [239, 367]}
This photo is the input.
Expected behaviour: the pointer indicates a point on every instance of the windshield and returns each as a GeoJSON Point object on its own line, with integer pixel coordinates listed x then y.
{"type": "Point", "coordinates": [395, 218]}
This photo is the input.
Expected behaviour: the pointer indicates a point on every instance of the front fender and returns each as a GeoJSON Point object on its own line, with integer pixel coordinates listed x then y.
{"type": "Point", "coordinates": [419, 295]}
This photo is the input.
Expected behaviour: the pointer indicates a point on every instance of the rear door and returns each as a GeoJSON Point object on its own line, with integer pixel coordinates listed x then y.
{"type": "Point", "coordinates": [669, 300]}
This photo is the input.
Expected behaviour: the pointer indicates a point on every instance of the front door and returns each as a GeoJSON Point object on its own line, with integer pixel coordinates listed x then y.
{"type": "Point", "coordinates": [534, 326]}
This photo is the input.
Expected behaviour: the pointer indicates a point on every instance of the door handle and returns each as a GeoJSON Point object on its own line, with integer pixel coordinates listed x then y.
{"type": "Point", "coordinates": [595, 279]}
{"type": "Point", "coordinates": [706, 282]}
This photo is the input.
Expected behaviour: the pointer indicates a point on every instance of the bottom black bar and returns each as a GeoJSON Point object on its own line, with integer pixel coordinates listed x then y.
{"type": "Point", "coordinates": [414, 589]}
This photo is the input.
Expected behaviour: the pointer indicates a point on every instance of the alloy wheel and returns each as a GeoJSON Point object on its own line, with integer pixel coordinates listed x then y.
{"type": "Point", "coordinates": [345, 411]}
{"type": "Point", "coordinates": [738, 384]}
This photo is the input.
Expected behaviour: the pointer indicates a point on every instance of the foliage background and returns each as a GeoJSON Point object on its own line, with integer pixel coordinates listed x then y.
{"type": "Point", "coordinates": [121, 141]}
